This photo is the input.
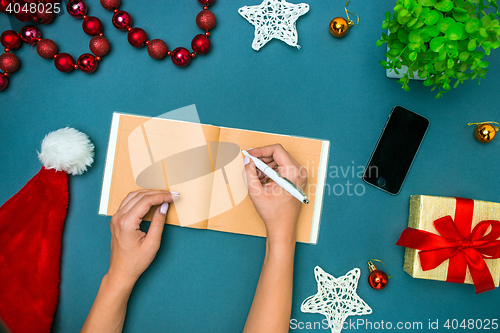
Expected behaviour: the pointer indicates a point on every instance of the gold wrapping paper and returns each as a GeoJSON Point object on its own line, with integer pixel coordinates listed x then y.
{"type": "Point", "coordinates": [424, 210]}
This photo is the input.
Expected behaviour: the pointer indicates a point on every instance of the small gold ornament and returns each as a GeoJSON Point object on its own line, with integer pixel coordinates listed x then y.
{"type": "Point", "coordinates": [339, 26]}
{"type": "Point", "coordinates": [485, 132]}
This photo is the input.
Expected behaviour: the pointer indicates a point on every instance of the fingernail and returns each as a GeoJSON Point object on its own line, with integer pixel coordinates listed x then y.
{"type": "Point", "coordinates": [246, 160]}
{"type": "Point", "coordinates": [177, 194]}
{"type": "Point", "coordinates": [164, 208]}
{"type": "Point", "coordinates": [249, 149]}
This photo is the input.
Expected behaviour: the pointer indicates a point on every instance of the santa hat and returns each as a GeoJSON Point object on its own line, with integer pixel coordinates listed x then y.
{"type": "Point", "coordinates": [31, 226]}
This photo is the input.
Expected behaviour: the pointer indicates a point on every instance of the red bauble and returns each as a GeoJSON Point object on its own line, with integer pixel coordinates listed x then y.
{"type": "Point", "coordinates": [87, 63]}
{"type": "Point", "coordinates": [10, 39]}
{"type": "Point", "coordinates": [181, 57]}
{"type": "Point", "coordinates": [64, 62]}
{"type": "Point", "coordinates": [157, 49]}
{"type": "Point", "coordinates": [77, 8]}
{"type": "Point", "coordinates": [9, 62]}
{"type": "Point", "coordinates": [92, 26]}
{"type": "Point", "coordinates": [206, 2]}
{"type": "Point", "coordinates": [4, 82]}
{"type": "Point", "coordinates": [110, 4]}
{"type": "Point", "coordinates": [99, 45]}
{"type": "Point", "coordinates": [122, 20]}
{"type": "Point", "coordinates": [137, 37]}
{"type": "Point", "coordinates": [201, 44]}
{"type": "Point", "coordinates": [46, 49]}
{"type": "Point", "coordinates": [205, 20]}
{"type": "Point", "coordinates": [378, 279]}
{"type": "Point", "coordinates": [24, 15]}
{"type": "Point", "coordinates": [30, 34]}
{"type": "Point", "coordinates": [3, 6]}
{"type": "Point", "coordinates": [46, 16]}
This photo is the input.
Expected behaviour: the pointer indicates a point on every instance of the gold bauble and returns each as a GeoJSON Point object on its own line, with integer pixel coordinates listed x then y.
{"type": "Point", "coordinates": [339, 26]}
{"type": "Point", "coordinates": [485, 132]}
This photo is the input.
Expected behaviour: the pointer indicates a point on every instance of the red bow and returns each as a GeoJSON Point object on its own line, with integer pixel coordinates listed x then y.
{"type": "Point", "coordinates": [464, 248]}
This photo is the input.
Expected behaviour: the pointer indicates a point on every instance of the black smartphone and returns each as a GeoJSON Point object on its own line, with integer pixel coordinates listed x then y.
{"type": "Point", "coordinates": [395, 150]}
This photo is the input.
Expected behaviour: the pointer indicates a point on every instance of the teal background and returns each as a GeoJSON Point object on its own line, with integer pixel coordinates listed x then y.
{"type": "Point", "coordinates": [333, 89]}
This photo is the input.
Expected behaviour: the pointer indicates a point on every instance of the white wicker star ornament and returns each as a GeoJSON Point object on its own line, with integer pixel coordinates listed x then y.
{"type": "Point", "coordinates": [336, 298]}
{"type": "Point", "coordinates": [274, 19]}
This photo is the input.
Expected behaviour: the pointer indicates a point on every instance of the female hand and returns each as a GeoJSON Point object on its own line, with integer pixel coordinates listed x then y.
{"type": "Point", "coordinates": [133, 250]}
{"type": "Point", "coordinates": [278, 209]}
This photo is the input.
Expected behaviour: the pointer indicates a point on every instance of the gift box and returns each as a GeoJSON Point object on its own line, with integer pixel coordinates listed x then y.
{"type": "Point", "coordinates": [453, 239]}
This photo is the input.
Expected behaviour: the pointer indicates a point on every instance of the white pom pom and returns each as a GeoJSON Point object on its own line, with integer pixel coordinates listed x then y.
{"type": "Point", "coordinates": [67, 150]}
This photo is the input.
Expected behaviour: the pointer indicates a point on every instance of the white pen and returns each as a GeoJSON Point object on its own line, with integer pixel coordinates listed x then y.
{"type": "Point", "coordinates": [286, 184]}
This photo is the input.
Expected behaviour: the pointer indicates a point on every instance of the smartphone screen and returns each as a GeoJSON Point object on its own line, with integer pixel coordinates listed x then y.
{"type": "Point", "coordinates": [396, 149]}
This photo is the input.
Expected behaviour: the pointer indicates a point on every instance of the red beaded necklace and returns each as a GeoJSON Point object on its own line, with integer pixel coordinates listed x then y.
{"type": "Point", "coordinates": [47, 49]}
{"type": "Point", "coordinates": [99, 45]}
{"type": "Point", "coordinates": [157, 48]}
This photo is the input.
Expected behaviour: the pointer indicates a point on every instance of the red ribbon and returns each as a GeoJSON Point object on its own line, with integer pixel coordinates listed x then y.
{"type": "Point", "coordinates": [464, 248]}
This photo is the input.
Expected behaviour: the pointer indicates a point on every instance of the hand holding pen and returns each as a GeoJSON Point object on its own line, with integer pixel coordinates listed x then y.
{"type": "Point", "coordinates": [277, 207]}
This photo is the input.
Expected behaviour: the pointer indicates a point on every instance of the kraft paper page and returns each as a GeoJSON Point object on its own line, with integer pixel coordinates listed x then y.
{"type": "Point", "coordinates": [175, 155]}
{"type": "Point", "coordinates": [242, 219]}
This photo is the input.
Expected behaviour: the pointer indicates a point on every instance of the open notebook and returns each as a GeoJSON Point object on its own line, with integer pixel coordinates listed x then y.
{"type": "Point", "coordinates": [204, 163]}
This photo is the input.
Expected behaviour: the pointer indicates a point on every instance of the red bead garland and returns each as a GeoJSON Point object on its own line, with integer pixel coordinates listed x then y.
{"type": "Point", "coordinates": [30, 34]}
{"type": "Point", "coordinates": [10, 39]}
{"type": "Point", "coordinates": [205, 20]}
{"type": "Point", "coordinates": [137, 37]}
{"type": "Point", "coordinates": [122, 20]}
{"type": "Point", "coordinates": [87, 63]}
{"type": "Point", "coordinates": [9, 62]}
{"type": "Point", "coordinates": [4, 82]}
{"type": "Point", "coordinates": [99, 45]}
{"type": "Point", "coordinates": [48, 49]}
{"type": "Point", "coordinates": [64, 62]}
{"type": "Point", "coordinates": [92, 26]}
{"type": "Point", "coordinates": [77, 8]}
{"type": "Point", "coordinates": [157, 48]}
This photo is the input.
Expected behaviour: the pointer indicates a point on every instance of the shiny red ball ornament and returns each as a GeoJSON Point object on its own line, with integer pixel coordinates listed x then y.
{"type": "Point", "coordinates": [4, 82]}
{"type": "Point", "coordinates": [377, 279]}
{"type": "Point", "coordinates": [92, 26]}
{"type": "Point", "coordinates": [99, 45]}
{"type": "Point", "coordinates": [87, 63]}
{"type": "Point", "coordinates": [77, 8]}
{"type": "Point", "coordinates": [46, 16]}
{"type": "Point", "coordinates": [157, 49]}
{"type": "Point", "coordinates": [10, 39]}
{"type": "Point", "coordinates": [24, 15]}
{"type": "Point", "coordinates": [206, 2]}
{"type": "Point", "coordinates": [3, 6]}
{"type": "Point", "coordinates": [46, 48]}
{"type": "Point", "coordinates": [30, 34]}
{"type": "Point", "coordinates": [180, 57]}
{"type": "Point", "coordinates": [137, 37]}
{"type": "Point", "coordinates": [9, 62]}
{"type": "Point", "coordinates": [64, 62]}
{"type": "Point", "coordinates": [205, 20]}
{"type": "Point", "coordinates": [122, 20]}
{"type": "Point", "coordinates": [110, 4]}
{"type": "Point", "coordinates": [201, 44]}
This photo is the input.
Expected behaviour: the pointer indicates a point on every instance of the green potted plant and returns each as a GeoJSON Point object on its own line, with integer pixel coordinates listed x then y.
{"type": "Point", "coordinates": [443, 42]}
